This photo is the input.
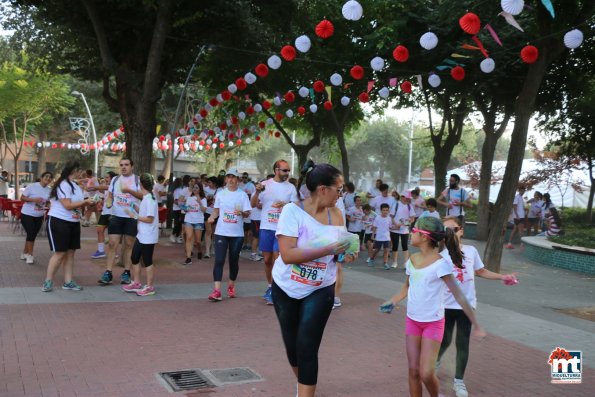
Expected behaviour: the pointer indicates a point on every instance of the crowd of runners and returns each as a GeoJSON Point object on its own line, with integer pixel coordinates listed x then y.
{"type": "Point", "coordinates": [298, 228]}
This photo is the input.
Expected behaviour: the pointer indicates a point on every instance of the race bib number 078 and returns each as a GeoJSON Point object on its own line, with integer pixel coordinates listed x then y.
{"type": "Point", "coordinates": [310, 273]}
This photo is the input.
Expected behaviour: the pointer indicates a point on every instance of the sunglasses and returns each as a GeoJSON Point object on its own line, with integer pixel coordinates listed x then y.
{"type": "Point", "coordinates": [339, 190]}
{"type": "Point", "coordinates": [455, 229]}
{"type": "Point", "coordinates": [284, 169]}
{"type": "Point", "coordinates": [424, 232]}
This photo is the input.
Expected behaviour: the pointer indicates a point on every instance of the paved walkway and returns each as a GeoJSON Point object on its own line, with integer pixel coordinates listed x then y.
{"type": "Point", "coordinates": [102, 342]}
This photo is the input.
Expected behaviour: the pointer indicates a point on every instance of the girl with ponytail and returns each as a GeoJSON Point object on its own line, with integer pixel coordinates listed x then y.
{"type": "Point", "coordinates": [428, 275]}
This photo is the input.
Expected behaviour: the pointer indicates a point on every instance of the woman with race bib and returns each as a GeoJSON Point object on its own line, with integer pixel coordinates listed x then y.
{"type": "Point", "coordinates": [311, 237]}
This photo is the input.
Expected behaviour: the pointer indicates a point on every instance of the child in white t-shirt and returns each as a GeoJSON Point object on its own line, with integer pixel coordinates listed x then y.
{"type": "Point", "coordinates": [431, 205]}
{"type": "Point", "coordinates": [367, 221]}
{"type": "Point", "coordinates": [381, 231]}
{"type": "Point", "coordinates": [355, 215]}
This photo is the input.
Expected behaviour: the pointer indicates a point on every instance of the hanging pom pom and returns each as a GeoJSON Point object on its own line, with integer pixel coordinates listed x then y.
{"type": "Point", "coordinates": [513, 7]}
{"type": "Point", "coordinates": [573, 39]}
{"type": "Point", "coordinates": [266, 105]}
{"type": "Point", "coordinates": [278, 117]}
{"type": "Point", "coordinates": [363, 97]}
{"type": "Point", "coordinates": [250, 78]}
{"type": "Point", "coordinates": [261, 124]}
{"type": "Point", "coordinates": [288, 53]}
{"type": "Point", "coordinates": [241, 84]}
{"type": "Point", "coordinates": [487, 65]}
{"type": "Point", "coordinates": [289, 113]}
{"type": "Point", "coordinates": [457, 73]}
{"type": "Point", "coordinates": [303, 43]}
{"type": "Point", "coordinates": [258, 108]}
{"type": "Point", "coordinates": [277, 101]}
{"type": "Point", "coordinates": [213, 102]}
{"type": "Point", "coordinates": [336, 79]}
{"type": "Point", "coordinates": [304, 92]}
{"type": "Point", "coordinates": [301, 110]}
{"type": "Point", "coordinates": [242, 115]}
{"type": "Point", "coordinates": [401, 53]}
{"type": "Point", "coordinates": [232, 88]}
{"type": "Point", "coordinates": [277, 134]}
{"type": "Point", "coordinates": [357, 72]}
{"type": "Point", "coordinates": [250, 110]}
{"type": "Point", "coordinates": [352, 10]}
{"type": "Point", "coordinates": [274, 62]}
{"type": "Point", "coordinates": [328, 105]}
{"type": "Point", "coordinates": [318, 86]}
{"type": "Point", "coordinates": [289, 97]}
{"type": "Point", "coordinates": [428, 41]}
{"type": "Point", "coordinates": [377, 64]}
{"type": "Point", "coordinates": [226, 95]}
{"type": "Point", "coordinates": [313, 108]}
{"type": "Point", "coordinates": [434, 80]}
{"type": "Point", "coordinates": [406, 87]}
{"type": "Point", "coordinates": [383, 92]}
{"type": "Point", "coordinates": [325, 29]}
{"type": "Point", "coordinates": [345, 101]}
{"type": "Point", "coordinates": [261, 70]}
{"type": "Point", "coordinates": [529, 54]}
{"type": "Point", "coordinates": [470, 23]}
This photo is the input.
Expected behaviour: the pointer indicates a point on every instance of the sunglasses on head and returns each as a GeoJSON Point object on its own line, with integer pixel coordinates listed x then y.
{"type": "Point", "coordinates": [424, 232]}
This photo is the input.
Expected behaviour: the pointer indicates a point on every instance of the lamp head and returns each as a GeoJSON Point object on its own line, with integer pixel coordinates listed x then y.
{"type": "Point", "coordinates": [75, 93]}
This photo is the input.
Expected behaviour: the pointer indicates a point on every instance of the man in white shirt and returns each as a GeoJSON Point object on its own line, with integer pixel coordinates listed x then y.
{"type": "Point", "coordinates": [159, 191]}
{"type": "Point", "coordinates": [123, 194]}
{"type": "Point", "coordinates": [4, 184]}
{"type": "Point", "coordinates": [272, 194]}
{"type": "Point", "coordinates": [518, 214]}
{"type": "Point", "coordinates": [383, 198]}
{"type": "Point", "coordinates": [455, 198]}
{"type": "Point", "coordinates": [375, 190]}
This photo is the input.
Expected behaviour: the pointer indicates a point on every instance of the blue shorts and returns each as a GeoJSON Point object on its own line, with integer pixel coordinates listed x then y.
{"type": "Point", "coordinates": [267, 242]}
{"type": "Point", "coordinates": [195, 226]}
{"type": "Point", "coordinates": [381, 244]}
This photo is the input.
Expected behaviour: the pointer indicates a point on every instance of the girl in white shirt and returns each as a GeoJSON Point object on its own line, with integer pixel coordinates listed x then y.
{"type": "Point", "coordinates": [428, 275]}
{"type": "Point", "coordinates": [194, 221]}
{"type": "Point", "coordinates": [304, 274]}
{"type": "Point", "coordinates": [35, 197]}
{"type": "Point", "coordinates": [454, 314]}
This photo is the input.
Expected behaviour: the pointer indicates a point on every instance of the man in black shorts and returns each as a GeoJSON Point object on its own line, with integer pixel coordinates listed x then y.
{"type": "Point", "coordinates": [123, 194]}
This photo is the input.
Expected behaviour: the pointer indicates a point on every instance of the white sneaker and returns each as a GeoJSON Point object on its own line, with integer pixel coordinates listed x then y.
{"type": "Point", "coordinates": [172, 238]}
{"type": "Point", "coordinates": [337, 302]}
{"type": "Point", "coordinates": [30, 259]}
{"type": "Point", "coordinates": [179, 240]}
{"type": "Point", "coordinates": [24, 256]}
{"type": "Point", "coordinates": [395, 265]}
{"type": "Point", "coordinates": [459, 387]}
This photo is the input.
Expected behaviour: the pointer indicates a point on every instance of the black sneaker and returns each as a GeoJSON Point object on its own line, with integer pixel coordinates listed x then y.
{"type": "Point", "coordinates": [188, 261]}
{"type": "Point", "coordinates": [106, 278]}
{"type": "Point", "coordinates": [199, 255]}
{"type": "Point", "coordinates": [125, 277]}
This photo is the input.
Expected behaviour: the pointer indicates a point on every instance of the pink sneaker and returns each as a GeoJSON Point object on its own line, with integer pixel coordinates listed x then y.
{"type": "Point", "coordinates": [132, 287]}
{"type": "Point", "coordinates": [146, 291]}
{"type": "Point", "coordinates": [215, 295]}
{"type": "Point", "coordinates": [509, 246]}
{"type": "Point", "coordinates": [231, 291]}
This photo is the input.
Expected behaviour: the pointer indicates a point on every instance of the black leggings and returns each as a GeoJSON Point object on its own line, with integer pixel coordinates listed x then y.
{"type": "Point", "coordinates": [222, 245]}
{"type": "Point", "coordinates": [140, 250]}
{"type": "Point", "coordinates": [178, 222]}
{"type": "Point", "coordinates": [302, 324]}
{"type": "Point", "coordinates": [394, 238]}
{"type": "Point", "coordinates": [31, 224]}
{"type": "Point", "coordinates": [458, 316]}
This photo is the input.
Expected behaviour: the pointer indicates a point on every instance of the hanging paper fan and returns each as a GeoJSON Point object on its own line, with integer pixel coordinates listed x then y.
{"type": "Point", "coordinates": [470, 23]}
{"type": "Point", "coordinates": [250, 78]}
{"type": "Point", "coordinates": [377, 63]}
{"type": "Point", "coordinates": [313, 108]}
{"type": "Point", "coordinates": [513, 7]}
{"type": "Point", "coordinates": [357, 72]}
{"type": "Point", "coordinates": [573, 39]}
{"type": "Point", "coordinates": [487, 65]}
{"type": "Point", "coordinates": [232, 88]}
{"type": "Point", "coordinates": [434, 80]}
{"type": "Point", "coordinates": [288, 53]}
{"type": "Point", "coordinates": [457, 73]}
{"type": "Point", "coordinates": [363, 97]}
{"type": "Point", "coordinates": [301, 110]}
{"type": "Point", "coordinates": [325, 29]}
{"type": "Point", "coordinates": [345, 101]}
{"type": "Point", "coordinates": [352, 10]}
{"type": "Point", "coordinates": [406, 87]}
{"type": "Point", "coordinates": [383, 92]}
{"type": "Point", "coordinates": [336, 79]}
{"type": "Point", "coordinates": [241, 84]}
{"type": "Point", "coordinates": [303, 43]}
{"type": "Point", "coordinates": [318, 86]}
{"type": "Point", "coordinates": [328, 105]}
{"type": "Point", "coordinates": [303, 91]}
{"type": "Point", "coordinates": [289, 97]}
{"type": "Point", "coordinates": [261, 70]}
{"type": "Point", "coordinates": [401, 53]}
{"type": "Point", "coordinates": [428, 41]}
{"type": "Point", "coordinates": [274, 62]}
{"type": "Point", "coordinates": [529, 54]}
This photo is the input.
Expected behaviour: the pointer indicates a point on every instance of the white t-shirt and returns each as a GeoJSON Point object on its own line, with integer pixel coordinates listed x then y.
{"type": "Point", "coordinates": [402, 214]}
{"type": "Point", "coordinates": [425, 297]}
{"type": "Point", "coordinates": [535, 209]}
{"type": "Point", "coordinates": [349, 199]}
{"type": "Point", "coordinates": [35, 190]}
{"type": "Point", "coordinates": [273, 193]}
{"type": "Point", "coordinates": [417, 206]}
{"type": "Point", "coordinates": [194, 214]}
{"type": "Point", "coordinates": [377, 201]}
{"type": "Point", "coordinates": [434, 214]}
{"type": "Point", "coordinates": [91, 182]}
{"type": "Point", "coordinates": [148, 233]}
{"type": "Point", "coordinates": [374, 191]}
{"type": "Point", "coordinates": [356, 216]}
{"type": "Point", "coordinates": [3, 186]}
{"type": "Point", "coordinates": [122, 201]}
{"type": "Point", "coordinates": [249, 188]}
{"type": "Point", "coordinates": [367, 222]}
{"type": "Point", "coordinates": [455, 196]}
{"type": "Point", "coordinates": [300, 280]}
{"type": "Point", "coordinates": [229, 224]}
{"type": "Point", "coordinates": [210, 194]}
{"type": "Point", "coordinates": [465, 277]}
{"type": "Point", "coordinates": [181, 194]}
{"type": "Point", "coordinates": [158, 188]}
{"type": "Point", "coordinates": [255, 214]}
{"type": "Point", "coordinates": [65, 191]}
{"type": "Point", "coordinates": [382, 225]}
{"type": "Point", "coordinates": [519, 203]}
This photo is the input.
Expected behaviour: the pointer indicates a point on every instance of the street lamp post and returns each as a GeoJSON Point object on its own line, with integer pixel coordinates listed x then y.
{"type": "Point", "coordinates": [76, 93]}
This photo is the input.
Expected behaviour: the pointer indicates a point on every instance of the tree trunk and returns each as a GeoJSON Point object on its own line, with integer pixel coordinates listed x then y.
{"type": "Point", "coordinates": [485, 178]}
{"type": "Point", "coordinates": [440, 160]}
{"type": "Point", "coordinates": [302, 154]}
{"type": "Point", "coordinates": [591, 194]}
{"type": "Point", "coordinates": [344, 155]}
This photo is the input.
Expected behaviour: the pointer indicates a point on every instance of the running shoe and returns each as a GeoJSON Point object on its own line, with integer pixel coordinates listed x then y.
{"type": "Point", "coordinates": [188, 261]}
{"type": "Point", "coordinates": [48, 285]}
{"type": "Point", "coordinates": [147, 290]}
{"type": "Point", "coordinates": [509, 246]}
{"type": "Point", "coordinates": [459, 388]}
{"type": "Point", "coordinates": [267, 293]}
{"type": "Point", "coordinates": [72, 286]}
{"type": "Point", "coordinates": [179, 240]}
{"type": "Point", "coordinates": [29, 260]}
{"type": "Point", "coordinates": [207, 256]}
{"type": "Point", "coordinates": [132, 287]}
{"type": "Point", "coordinates": [255, 257]}
{"type": "Point", "coordinates": [98, 254]}
{"type": "Point", "coordinates": [386, 266]}
{"type": "Point", "coordinates": [172, 238]}
{"type": "Point", "coordinates": [23, 256]}
{"type": "Point", "coordinates": [337, 302]}
{"type": "Point", "coordinates": [395, 265]}
{"type": "Point", "coordinates": [370, 262]}
{"type": "Point", "coordinates": [231, 291]}
{"type": "Point", "coordinates": [106, 278]}
{"type": "Point", "coordinates": [125, 277]}
{"type": "Point", "coordinates": [215, 296]}
{"type": "Point", "coordinates": [269, 296]}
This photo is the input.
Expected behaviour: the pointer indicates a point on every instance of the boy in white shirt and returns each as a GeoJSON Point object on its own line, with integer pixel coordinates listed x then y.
{"type": "Point", "coordinates": [518, 211]}
{"type": "Point", "coordinates": [367, 221]}
{"type": "Point", "coordinates": [381, 231]}
{"type": "Point", "coordinates": [431, 205]}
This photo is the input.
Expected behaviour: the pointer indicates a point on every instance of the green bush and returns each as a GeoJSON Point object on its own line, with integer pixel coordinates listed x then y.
{"type": "Point", "coordinates": [576, 231]}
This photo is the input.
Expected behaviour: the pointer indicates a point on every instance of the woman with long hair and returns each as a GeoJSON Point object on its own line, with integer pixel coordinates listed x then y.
{"type": "Point", "coordinates": [194, 221]}
{"type": "Point", "coordinates": [64, 226]}
{"type": "Point", "coordinates": [177, 216]}
{"type": "Point", "coordinates": [35, 196]}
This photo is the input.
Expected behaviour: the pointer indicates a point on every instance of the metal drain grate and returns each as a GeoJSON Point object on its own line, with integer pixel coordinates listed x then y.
{"type": "Point", "coordinates": [228, 376]}
{"type": "Point", "coordinates": [188, 379]}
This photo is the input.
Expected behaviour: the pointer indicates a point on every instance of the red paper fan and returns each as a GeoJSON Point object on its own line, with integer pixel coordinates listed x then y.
{"type": "Point", "coordinates": [457, 73]}
{"type": "Point", "coordinates": [529, 54]}
{"type": "Point", "coordinates": [288, 53]}
{"type": "Point", "coordinates": [406, 87]}
{"type": "Point", "coordinates": [325, 29]}
{"type": "Point", "coordinates": [470, 23]}
{"type": "Point", "coordinates": [241, 84]}
{"type": "Point", "coordinates": [301, 110]}
{"type": "Point", "coordinates": [266, 105]}
{"type": "Point", "coordinates": [318, 86]}
{"type": "Point", "coordinates": [328, 105]}
{"type": "Point", "coordinates": [289, 97]}
{"type": "Point", "coordinates": [357, 72]}
{"type": "Point", "coordinates": [261, 70]}
{"type": "Point", "coordinates": [401, 53]}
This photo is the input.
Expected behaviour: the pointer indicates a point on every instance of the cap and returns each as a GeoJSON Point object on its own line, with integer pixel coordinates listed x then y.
{"type": "Point", "coordinates": [407, 194]}
{"type": "Point", "coordinates": [233, 171]}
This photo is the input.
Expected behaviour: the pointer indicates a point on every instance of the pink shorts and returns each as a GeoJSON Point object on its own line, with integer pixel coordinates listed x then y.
{"type": "Point", "coordinates": [431, 330]}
